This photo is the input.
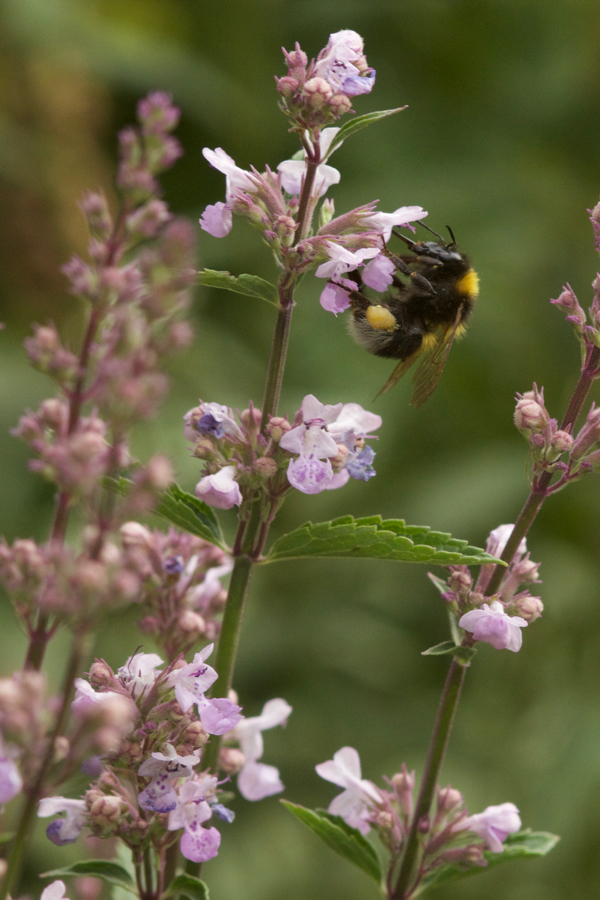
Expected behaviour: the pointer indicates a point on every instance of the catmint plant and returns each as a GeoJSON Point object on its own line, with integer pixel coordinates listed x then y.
{"type": "Point", "coordinates": [162, 737]}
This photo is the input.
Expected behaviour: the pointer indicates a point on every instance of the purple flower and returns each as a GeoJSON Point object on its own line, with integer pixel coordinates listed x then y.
{"type": "Point", "coordinates": [359, 465]}
{"type": "Point", "coordinates": [353, 423]}
{"type": "Point", "coordinates": [192, 681]}
{"type": "Point", "coordinates": [67, 830]}
{"type": "Point", "coordinates": [355, 802]}
{"type": "Point", "coordinates": [221, 490]}
{"type": "Point", "coordinates": [197, 844]}
{"type": "Point", "coordinates": [159, 795]}
{"type": "Point", "coordinates": [257, 780]}
{"type": "Point", "coordinates": [216, 219]}
{"type": "Point", "coordinates": [379, 273]}
{"type": "Point", "coordinates": [493, 824]}
{"type": "Point", "coordinates": [342, 260]}
{"type": "Point", "coordinates": [334, 298]}
{"type": "Point", "coordinates": [312, 472]}
{"type": "Point", "coordinates": [385, 222]}
{"type": "Point", "coordinates": [494, 626]}
{"type": "Point", "coordinates": [139, 673]}
{"type": "Point", "coordinates": [11, 782]}
{"type": "Point", "coordinates": [343, 65]}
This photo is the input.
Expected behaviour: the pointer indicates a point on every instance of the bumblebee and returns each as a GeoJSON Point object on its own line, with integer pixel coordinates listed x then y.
{"type": "Point", "coordinates": [422, 316]}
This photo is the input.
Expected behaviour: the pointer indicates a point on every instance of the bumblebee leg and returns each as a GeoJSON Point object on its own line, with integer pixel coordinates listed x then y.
{"type": "Point", "coordinates": [400, 264]}
{"type": "Point", "coordinates": [421, 285]}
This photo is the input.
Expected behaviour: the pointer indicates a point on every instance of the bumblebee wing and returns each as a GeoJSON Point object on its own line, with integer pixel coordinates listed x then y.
{"type": "Point", "coordinates": [428, 374]}
{"type": "Point", "coordinates": [400, 370]}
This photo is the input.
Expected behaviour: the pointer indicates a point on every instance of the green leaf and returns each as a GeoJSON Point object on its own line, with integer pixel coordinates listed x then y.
{"type": "Point", "coordinates": [353, 125]}
{"type": "Point", "coordinates": [463, 654]}
{"type": "Point", "coordinates": [188, 885]}
{"type": "Point", "coordinates": [110, 872]}
{"type": "Point", "coordinates": [250, 285]}
{"type": "Point", "coordinates": [346, 841]}
{"type": "Point", "coordinates": [522, 845]}
{"type": "Point", "coordinates": [374, 537]}
{"type": "Point", "coordinates": [190, 514]}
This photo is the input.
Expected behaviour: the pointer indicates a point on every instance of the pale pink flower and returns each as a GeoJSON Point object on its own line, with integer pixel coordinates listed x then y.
{"type": "Point", "coordinates": [257, 780]}
{"type": "Point", "coordinates": [494, 824]}
{"type": "Point", "coordinates": [354, 804]}
{"type": "Point", "coordinates": [494, 626]}
{"type": "Point", "coordinates": [220, 490]}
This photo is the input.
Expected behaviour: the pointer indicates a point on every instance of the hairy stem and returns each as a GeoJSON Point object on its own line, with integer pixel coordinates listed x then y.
{"type": "Point", "coordinates": [437, 748]}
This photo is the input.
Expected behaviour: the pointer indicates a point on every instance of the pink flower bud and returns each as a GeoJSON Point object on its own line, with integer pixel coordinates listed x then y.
{"type": "Point", "coordinates": [316, 92]}
{"type": "Point", "coordinates": [589, 434]}
{"type": "Point", "coordinates": [191, 623]}
{"type": "Point", "coordinates": [231, 760]}
{"type": "Point", "coordinates": [133, 534]}
{"type": "Point", "coordinates": [340, 104]}
{"type": "Point", "coordinates": [530, 413]}
{"type": "Point", "coordinates": [265, 467]}
{"type": "Point", "coordinates": [530, 608]}
{"type": "Point", "coordinates": [277, 427]}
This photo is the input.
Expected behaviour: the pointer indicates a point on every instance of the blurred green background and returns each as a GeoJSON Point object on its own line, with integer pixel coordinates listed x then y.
{"type": "Point", "coordinates": [501, 141]}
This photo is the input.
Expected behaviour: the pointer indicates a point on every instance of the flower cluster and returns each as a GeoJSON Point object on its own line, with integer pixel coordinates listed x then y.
{"type": "Point", "coordinates": [156, 722]}
{"type": "Point", "coordinates": [317, 93]}
{"type": "Point", "coordinates": [450, 835]}
{"type": "Point", "coordinates": [497, 619]}
{"type": "Point", "coordinates": [181, 593]}
{"type": "Point", "coordinates": [320, 450]}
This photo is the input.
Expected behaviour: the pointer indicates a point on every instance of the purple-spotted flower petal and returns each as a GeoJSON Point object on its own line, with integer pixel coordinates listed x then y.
{"type": "Point", "coordinates": [159, 795]}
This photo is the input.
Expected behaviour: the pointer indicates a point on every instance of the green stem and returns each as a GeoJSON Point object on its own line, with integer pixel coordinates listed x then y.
{"type": "Point", "coordinates": [279, 348]}
{"type": "Point", "coordinates": [148, 873]}
{"type": "Point", "coordinates": [34, 794]}
{"type": "Point", "coordinates": [437, 748]}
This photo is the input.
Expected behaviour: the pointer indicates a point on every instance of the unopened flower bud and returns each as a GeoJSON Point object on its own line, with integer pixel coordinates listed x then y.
{"type": "Point", "coordinates": [196, 735]}
{"type": "Point", "coordinates": [277, 427]}
{"type": "Point", "coordinates": [447, 799]}
{"type": "Point", "coordinates": [316, 92]}
{"type": "Point", "coordinates": [54, 413]}
{"type": "Point", "coordinates": [159, 473]}
{"type": "Point", "coordinates": [191, 623]}
{"type": "Point", "coordinates": [287, 86]}
{"type": "Point", "coordinates": [105, 810]}
{"type": "Point", "coordinates": [231, 760]}
{"type": "Point", "coordinates": [133, 534]}
{"type": "Point", "coordinates": [562, 441]}
{"type": "Point", "coordinates": [340, 104]}
{"type": "Point", "coordinates": [265, 467]}
{"type": "Point", "coordinates": [101, 674]}
{"type": "Point", "coordinates": [460, 581]}
{"type": "Point", "coordinates": [530, 413]}
{"type": "Point", "coordinates": [205, 448]}
{"type": "Point", "coordinates": [529, 608]}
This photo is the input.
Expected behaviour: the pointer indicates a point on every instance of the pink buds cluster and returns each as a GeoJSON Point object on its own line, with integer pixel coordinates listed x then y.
{"type": "Point", "coordinates": [548, 442]}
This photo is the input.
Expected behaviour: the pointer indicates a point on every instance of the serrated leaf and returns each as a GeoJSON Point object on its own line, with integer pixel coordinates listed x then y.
{"type": "Point", "coordinates": [186, 884]}
{"type": "Point", "coordinates": [190, 514]}
{"type": "Point", "coordinates": [522, 845]}
{"type": "Point", "coordinates": [353, 125]}
{"type": "Point", "coordinates": [110, 872]}
{"type": "Point", "coordinates": [346, 841]}
{"type": "Point", "coordinates": [374, 537]}
{"type": "Point", "coordinates": [249, 285]}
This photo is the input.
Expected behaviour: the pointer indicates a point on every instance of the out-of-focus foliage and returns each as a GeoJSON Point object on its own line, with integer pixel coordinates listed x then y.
{"type": "Point", "coordinates": [500, 141]}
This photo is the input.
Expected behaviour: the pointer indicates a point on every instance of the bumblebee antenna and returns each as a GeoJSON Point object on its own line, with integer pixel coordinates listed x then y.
{"type": "Point", "coordinates": [423, 225]}
{"type": "Point", "coordinates": [451, 235]}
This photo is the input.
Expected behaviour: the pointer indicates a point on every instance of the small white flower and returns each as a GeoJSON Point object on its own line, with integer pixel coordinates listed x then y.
{"type": "Point", "coordinates": [359, 795]}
